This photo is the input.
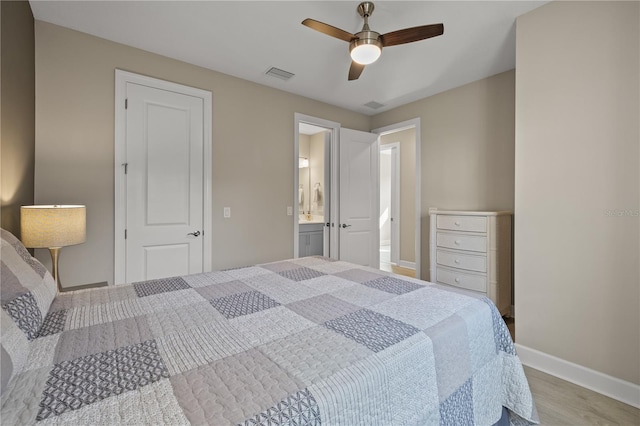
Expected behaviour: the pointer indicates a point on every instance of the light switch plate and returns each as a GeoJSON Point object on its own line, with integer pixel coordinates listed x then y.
{"type": "Point", "coordinates": [227, 212]}
{"type": "Point", "coordinates": [289, 211]}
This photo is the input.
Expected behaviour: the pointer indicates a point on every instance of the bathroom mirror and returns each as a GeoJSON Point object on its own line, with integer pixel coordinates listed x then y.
{"type": "Point", "coordinates": [311, 178]}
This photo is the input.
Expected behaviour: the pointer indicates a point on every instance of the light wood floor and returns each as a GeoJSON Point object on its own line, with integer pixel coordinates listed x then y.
{"type": "Point", "coordinates": [398, 270]}
{"type": "Point", "coordinates": [562, 403]}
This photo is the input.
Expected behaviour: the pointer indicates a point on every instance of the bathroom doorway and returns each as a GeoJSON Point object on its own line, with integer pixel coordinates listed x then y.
{"type": "Point", "coordinates": [400, 198]}
{"type": "Point", "coordinates": [313, 191]}
{"type": "Point", "coordinates": [389, 205]}
{"type": "Point", "coordinates": [313, 233]}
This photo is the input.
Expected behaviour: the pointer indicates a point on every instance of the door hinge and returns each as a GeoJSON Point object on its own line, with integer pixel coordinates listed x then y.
{"type": "Point", "coordinates": [125, 234]}
{"type": "Point", "coordinates": [126, 103]}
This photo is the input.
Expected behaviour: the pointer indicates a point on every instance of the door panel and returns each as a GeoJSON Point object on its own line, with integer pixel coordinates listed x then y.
{"type": "Point", "coordinates": [168, 172]}
{"type": "Point", "coordinates": [359, 198]}
{"type": "Point", "coordinates": [166, 261]}
{"type": "Point", "coordinates": [164, 135]}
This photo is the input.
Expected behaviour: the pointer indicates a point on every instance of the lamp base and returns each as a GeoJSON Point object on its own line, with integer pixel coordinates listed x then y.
{"type": "Point", "coordinates": [55, 253]}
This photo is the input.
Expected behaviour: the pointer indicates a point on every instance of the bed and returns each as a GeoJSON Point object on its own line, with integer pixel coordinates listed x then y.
{"type": "Point", "coordinates": [305, 341]}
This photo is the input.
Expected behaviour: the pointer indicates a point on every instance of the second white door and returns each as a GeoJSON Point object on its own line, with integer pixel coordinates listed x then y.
{"type": "Point", "coordinates": [164, 183]}
{"type": "Point", "coordinates": [359, 198]}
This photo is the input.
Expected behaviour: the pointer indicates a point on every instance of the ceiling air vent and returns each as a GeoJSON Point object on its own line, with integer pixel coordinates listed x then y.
{"type": "Point", "coordinates": [374, 105]}
{"type": "Point", "coordinates": [278, 73]}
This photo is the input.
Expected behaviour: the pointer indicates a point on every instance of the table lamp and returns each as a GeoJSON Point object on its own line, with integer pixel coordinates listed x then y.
{"type": "Point", "coordinates": [53, 227]}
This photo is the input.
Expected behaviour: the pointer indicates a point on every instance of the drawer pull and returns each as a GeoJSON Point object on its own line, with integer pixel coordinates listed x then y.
{"type": "Point", "coordinates": [457, 280]}
{"type": "Point", "coordinates": [457, 223]}
{"type": "Point", "coordinates": [457, 242]}
{"type": "Point", "coordinates": [457, 261]}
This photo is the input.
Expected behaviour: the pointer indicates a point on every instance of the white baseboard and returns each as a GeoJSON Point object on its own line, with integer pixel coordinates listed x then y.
{"type": "Point", "coordinates": [615, 388]}
{"type": "Point", "coordinates": [408, 265]}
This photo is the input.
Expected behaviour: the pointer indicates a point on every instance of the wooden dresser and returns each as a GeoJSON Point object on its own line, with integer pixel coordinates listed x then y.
{"type": "Point", "coordinates": [472, 250]}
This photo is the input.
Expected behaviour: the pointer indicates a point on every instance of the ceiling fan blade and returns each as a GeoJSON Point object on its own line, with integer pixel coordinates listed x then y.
{"type": "Point", "coordinates": [409, 35]}
{"type": "Point", "coordinates": [355, 70]}
{"type": "Point", "coordinates": [328, 29]}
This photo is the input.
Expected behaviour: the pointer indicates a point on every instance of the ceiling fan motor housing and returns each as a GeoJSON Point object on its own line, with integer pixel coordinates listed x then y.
{"type": "Point", "coordinates": [366, 37]}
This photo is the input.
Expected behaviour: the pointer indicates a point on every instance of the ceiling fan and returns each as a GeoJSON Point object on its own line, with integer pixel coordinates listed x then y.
{"type": "Point", "coordinates": [366, 46]}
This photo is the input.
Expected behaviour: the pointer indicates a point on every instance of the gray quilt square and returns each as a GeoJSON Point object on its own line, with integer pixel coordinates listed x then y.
{"type": "Point", "coordinates": [450, 342]}
{"type": "Point", "coordinates": [53, 323]}
{"type": "Point", "coordinates": [392, 285]}
{"type": "Point", "coordinates": [102, 337]}
{"type": "Point", "coordinates": [245, 303]}
{"type": "Point", "coordinates": [25, 313]}
{"type": "Point", "coordinates": [358, 275]}
{"type": "Point", "coordinates": [501, 333]}
{"type": "Point", "coordinates": [458, 408]}
{"type": "Point", "coordinates": [178, 321]}
{"type": "Point", "coordinates": [207, 278]}
{"type": "Point", "coordinates": [74, 384]}
{"type": "Point", "coordinates": [11, 285]}
{"type": "Point", "coordinates": [232, 389]}
{"type": "Point", "coordinates": [280, 266]}
{"type": "Point", "coordinates": [313, 261]}
{"type": "Point", "coordinates": [94, 296]}
{"type": "Point", "coordinates": [247, 272]}
{"type": "Point", "coordinates": [311, 354]}
{"type": "Point", "coordinates": [301, 274]}
{"type": "Point", "coordinates": [216, 291]}
{"type": "Point", "coordinates": [147, 288]}
{"type": "Point", "coordinates": [322, 308]}
{"type": "Point", "coordinates": [371, 329]}
{"type": "Point", "coordinates": [299, 408]}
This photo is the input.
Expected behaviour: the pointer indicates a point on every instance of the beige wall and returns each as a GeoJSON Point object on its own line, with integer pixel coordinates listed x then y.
{"type": "Point", "coordinates": [17, 85]}
{"type": "Point", "coordinates": [407, 140]}
{"type": "Point", "coordinates": [467, 148]}
{"type": "Point", "coordinates": [252, 148]}
{"type": "Point", "coordinates": [577, 284]}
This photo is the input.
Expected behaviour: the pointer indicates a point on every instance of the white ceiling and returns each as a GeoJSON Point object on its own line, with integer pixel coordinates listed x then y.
{"type": "Point", "coordinates": [245, 39]}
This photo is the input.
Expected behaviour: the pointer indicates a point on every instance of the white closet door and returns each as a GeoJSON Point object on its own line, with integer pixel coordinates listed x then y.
{"type": "Point", "coordinates": [164, 183]}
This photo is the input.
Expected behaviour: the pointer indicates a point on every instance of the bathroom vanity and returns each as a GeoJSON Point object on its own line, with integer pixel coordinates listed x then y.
{"type": "Point", "coordinates": [311, 241]}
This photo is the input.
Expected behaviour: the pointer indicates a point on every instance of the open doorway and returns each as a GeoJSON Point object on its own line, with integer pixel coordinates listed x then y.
{"type": "Point", "coordinates": [313, 189]}
{"type": "Point", "coordinates": [400, 199]}
{"type": "Point", "coordinates": [314, 201]}
{"type": "Point", "coordinates": [389, 205]}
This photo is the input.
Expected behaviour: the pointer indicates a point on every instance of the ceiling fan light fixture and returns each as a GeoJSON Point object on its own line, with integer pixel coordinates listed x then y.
{"type": "Point", "coordinates": [365, 51]}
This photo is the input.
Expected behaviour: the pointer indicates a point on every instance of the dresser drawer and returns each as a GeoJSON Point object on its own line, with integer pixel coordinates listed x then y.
{"type": "Point", "coordinates": [462, 280]}
{"type": "Point", "coordinates": [462, 242]}
{"type": "Point", "coordinates": [462, 223]}
{"type": "Point", "coordinates": [462, 261]}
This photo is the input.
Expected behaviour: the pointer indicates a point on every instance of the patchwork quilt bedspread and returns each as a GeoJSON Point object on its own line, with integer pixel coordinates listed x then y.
{"type": "Point", "coordinates": [306, 341]}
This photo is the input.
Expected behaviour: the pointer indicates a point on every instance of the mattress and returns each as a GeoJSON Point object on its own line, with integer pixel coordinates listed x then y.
{"type": "Point", "coordinates": [305, 341]}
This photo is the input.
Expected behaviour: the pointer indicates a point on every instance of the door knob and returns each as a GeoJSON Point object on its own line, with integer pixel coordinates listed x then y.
{"type": "Point", "coordinates": [195, 234]}
{"type": "Point", "coordinates": [344, 225]}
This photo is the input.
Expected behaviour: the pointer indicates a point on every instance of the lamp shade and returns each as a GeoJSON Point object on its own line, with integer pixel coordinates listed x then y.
{"type": "Point", "coordinates": [53, 226]}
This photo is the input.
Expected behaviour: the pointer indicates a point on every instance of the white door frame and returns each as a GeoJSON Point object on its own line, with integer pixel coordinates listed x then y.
{"type": "Point", "coordinates": [331, 232]}
{"type": "Point", "coordinates": [120, 216]}
{"type": "Point", "coordinates": [392, 128]}
{"type": "Point", "coordinates": [395, 200]}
